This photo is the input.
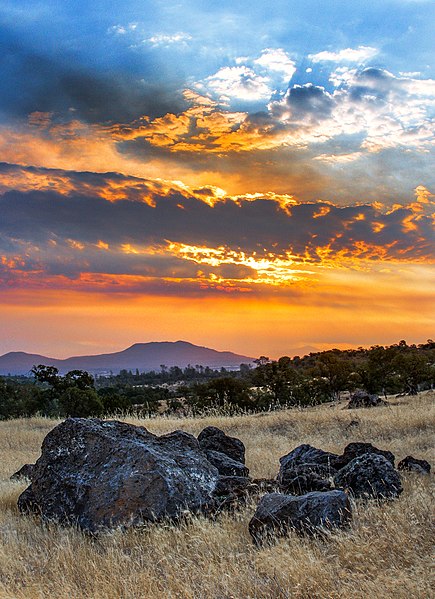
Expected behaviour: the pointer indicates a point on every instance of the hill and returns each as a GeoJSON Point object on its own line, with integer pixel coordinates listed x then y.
{"type": "Point", "coordinates": [141, 356]}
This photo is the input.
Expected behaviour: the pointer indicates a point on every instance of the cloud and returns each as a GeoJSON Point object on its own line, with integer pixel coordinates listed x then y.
{"type": "Point", "coordinates": [239, 82]}
{"type": "Point", "coordinates": [163, 39]}
{"type": "Point", "coordinates": [276, 59]}
{"type": "Point", "coordinates": [38, 80]}
{"type": "Point", "coordinates": [67, 229]}
{"type": "Point", "coordinates": [359, 55]}
{"type": "Point", "coordinates": [302, 101]}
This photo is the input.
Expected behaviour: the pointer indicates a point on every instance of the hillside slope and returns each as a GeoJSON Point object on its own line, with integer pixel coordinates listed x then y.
{"type": "Point", "coordinates": [143, 356]}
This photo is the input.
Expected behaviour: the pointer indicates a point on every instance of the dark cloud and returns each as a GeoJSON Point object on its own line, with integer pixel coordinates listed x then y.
{"type": "Point", "coordinates": [46, 81]}
{"type": "Point", "coordinates": [61, 232]}
{"type": "Point", "coordinates": [303, 101]}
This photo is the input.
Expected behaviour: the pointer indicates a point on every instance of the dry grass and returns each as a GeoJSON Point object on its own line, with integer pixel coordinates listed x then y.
{"type": "Point", "coordinates": [386, 553]}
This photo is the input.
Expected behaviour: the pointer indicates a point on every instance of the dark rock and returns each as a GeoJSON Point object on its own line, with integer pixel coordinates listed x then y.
{"type": "Point", "coordinates": [353, 450]}
{"type": "Point", "coordinates": [213, 439]}
{"type": "Point", "coordinates": [230, 491]}
{"type": "Point", "coordinates": [303, 479]}
{"type": "Point", "coordinates": [310, 513]}
{"type": "Point", "coordinates": [311, 458]}
{"type": "Point", "coordinates": [101, 474]}
{"type": "Point", "coordinates": [362, 399]}
{"type": "Point", "coordinates": [267, 485]}
{"type": "Point", "coordinates": [24, 472]}
{"type": "Point", "coordinates": [370, 476]}
{"type": "Point", "coordinates": [227, 485]}
{"type": "Point", "coordinates": [225, 465]}
{"type": "Point", "coordinates": [414, 465]}
{"type": "Point", "coordinates": [27, 502]}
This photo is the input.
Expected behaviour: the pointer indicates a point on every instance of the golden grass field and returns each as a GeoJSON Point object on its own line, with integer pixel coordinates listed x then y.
{"type": "Point", "coordinates": [385, 553]}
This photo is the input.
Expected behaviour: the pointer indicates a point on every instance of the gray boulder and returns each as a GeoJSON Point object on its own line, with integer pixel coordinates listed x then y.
{"type": "Point", "coordinates": [370, 476]}
{"type": "Point", "coordinates": [310, 458]}
{"type": "Point", "coordinates": [312, 513]}
{"type": "Point", "coordinates": [25, 472]}
{"type": "Point", "coordinates": [362, 399]}
{"type": "Point", "coordinates": [411, 464]}
{"type": "Point", "coordinates": [303, 479]}
{"type": "Point", "coordinates": [214, 439]}
{"type": "Point", "coordinates": [225, 465]}
{"type": "Point", "coordinates": [103, 474]}
{"type": "Point", "coordinates": [353, 450]}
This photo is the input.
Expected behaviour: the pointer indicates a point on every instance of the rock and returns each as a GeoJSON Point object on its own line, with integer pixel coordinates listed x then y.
{"type": "Point", "coordinates": [227, 485]}
{"type": "Point", "coordinates": [309, 457]}
{"type": "Point", "coordinates": [267, 485]}
{"type": "Point", "coordinates": [24, 472]}
{"type": "Point", "coordinates": [310, 513]}
{"type": "Point", "coordinates": [303, 479]}
{"type": "Point", "coordinates": [370, 476]}
{"type": "Point", "coordinates": [231, 491]}
{"type": "Point", "coordinates": [27, 502]}
{"type": "Point", "coordinates": [225, 465]}
{"type": "Point", "coordinates": [213, 439]}
{"type": "Point", "coordinates": [102, 474]}
{"type": "Point", "coordinates": [414, 465]}
{"type": "Point", "coordinates": [353, 450]}
{"type": "Point", "coordinates": [362, 399]}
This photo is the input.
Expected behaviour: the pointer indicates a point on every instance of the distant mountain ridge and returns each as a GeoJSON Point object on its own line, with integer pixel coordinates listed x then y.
{"type": "Point", "coordinates": [141, 356]}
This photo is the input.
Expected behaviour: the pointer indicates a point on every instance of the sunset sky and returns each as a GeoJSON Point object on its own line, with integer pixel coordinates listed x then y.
{"type": "Point", "coordinates": [250, 176]}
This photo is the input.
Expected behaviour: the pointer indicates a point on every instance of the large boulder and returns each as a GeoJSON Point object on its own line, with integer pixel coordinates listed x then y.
{"type": "Point", "coordinates": [370, 476]}
{"type": "Point", "coordinates": [102, 474]}
{"type": "Point", "coordinates": [411, 464]}
{"type": "Point", "coordinates": [353, 450]}
{"type": "Point", "coordinates": [303, 479]}
{"type": "Point", "coordinates": [225, 465]}
{"type": "Point", "coordinates": [310, 458]}
{"type": "Point", "coordinates": [213, 439]}
{"type": "Point", "coordinates": [362, 399]}
{"type": "Point", "coordinates": [312, 513]}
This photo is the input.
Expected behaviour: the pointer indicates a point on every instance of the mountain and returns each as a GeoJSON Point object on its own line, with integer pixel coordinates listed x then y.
{"type": "Point", "coordinates": [143, 356]}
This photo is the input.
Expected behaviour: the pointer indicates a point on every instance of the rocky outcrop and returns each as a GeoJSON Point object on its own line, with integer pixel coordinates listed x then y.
{"type": "Point", "coordinates": [354, 450]}
{"type": "Point", "coordinates": [362, 399]}
{"type": "Point", "coordinates": [102, 474]}
{"type": "Point", "coordinates": [214, 439]}
{"type": "Point", "coordinates": [411, 464]}
{"type": "Point", "coordinates": [312, 513]}
{"type": "Point", "coordinates": [225, 465]}
{"type": "Point", "coordinates": [370, 476]}
{"type": "Point", "coordinates": [25, 472]}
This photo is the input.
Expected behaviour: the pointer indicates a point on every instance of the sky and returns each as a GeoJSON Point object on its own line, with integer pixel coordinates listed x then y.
{"type": "Point", "coordinates": [249, 176]}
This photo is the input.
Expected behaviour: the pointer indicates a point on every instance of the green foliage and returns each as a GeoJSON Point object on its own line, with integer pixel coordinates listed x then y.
{"type": "Point", "coordinates": [80, 403]}
{"type": "Point", "coordinates": [302, 381]}
{"type": "Point", "coordinates": [222, 392]}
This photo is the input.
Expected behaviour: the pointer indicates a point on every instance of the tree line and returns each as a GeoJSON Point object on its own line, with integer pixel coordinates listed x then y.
{"type": "Point", "coordinates": [315, 378]}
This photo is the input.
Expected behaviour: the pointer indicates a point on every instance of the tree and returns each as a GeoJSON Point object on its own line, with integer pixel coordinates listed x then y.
{"type": "Point", "coordinates": [79, 378]}
{"type": "Point", "coordinates": [80, 403]}
{"type": "Point", "coordinates": [335, 372]}
{"type": "Point", "coordinates": [47, 374]}
{"type": "Point", "coordinates": [412, 369]}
